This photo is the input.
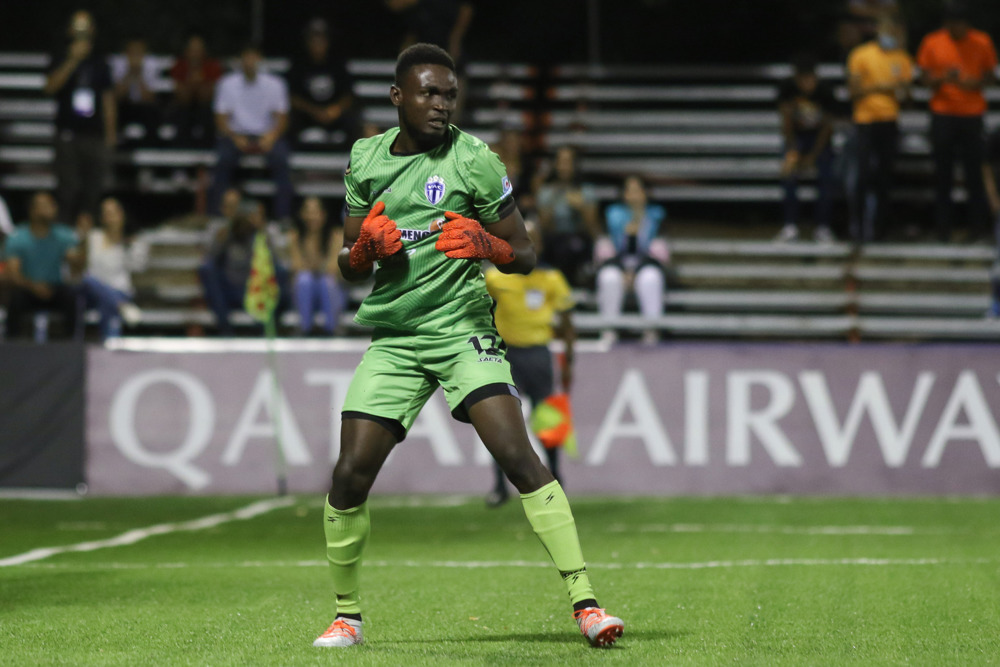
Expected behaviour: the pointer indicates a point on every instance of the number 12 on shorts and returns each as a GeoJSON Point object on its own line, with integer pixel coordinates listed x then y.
{"type": "Point", "coordinates": [492, 349]}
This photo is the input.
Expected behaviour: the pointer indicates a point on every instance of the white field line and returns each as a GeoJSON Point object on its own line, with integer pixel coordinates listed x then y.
{"type": "Point", "coordinates": [495, 564]}
{"type": "Point", "coordinates": [781, 530]}
{"type": "Point", "coordinates": [139, 534]}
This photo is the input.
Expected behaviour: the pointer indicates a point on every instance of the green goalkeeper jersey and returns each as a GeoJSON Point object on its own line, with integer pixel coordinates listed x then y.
{"type": "Point", "coordinates": [420, 289]}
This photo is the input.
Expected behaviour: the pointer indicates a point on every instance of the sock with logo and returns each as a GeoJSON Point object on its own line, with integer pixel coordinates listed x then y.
{"type": "Point", "coordinates": [346, 534]}
{"type": "Point", "coordinates": [549, 514]}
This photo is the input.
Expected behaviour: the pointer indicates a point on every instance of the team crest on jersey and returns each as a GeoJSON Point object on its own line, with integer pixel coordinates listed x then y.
{"type": "Point", "coordinates": [434, 189]}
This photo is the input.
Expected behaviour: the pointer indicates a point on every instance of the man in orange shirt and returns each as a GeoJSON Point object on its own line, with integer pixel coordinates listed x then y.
{"type": "Point", "coordinates": [957, 63]}
{"type": "Point", "coordinates": [879, 75]}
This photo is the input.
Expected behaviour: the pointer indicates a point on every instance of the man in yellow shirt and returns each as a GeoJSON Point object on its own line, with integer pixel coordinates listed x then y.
{"type": "Point", "coordinates": [526, 308]}
{"type": "Point", "coordinates": [879, 76]}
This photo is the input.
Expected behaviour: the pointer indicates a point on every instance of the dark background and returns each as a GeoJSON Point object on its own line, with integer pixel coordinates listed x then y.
{"type": "Point", "coordinates": [654, 31]}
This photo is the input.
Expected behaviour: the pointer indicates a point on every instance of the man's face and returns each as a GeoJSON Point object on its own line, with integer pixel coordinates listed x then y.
{"type": "Point", "coordinates": [312, 214]}
{"type": "Point", "coordinates": [250, 61]}
{"type": "Point", "coordinates": [195, 50]}
{"type": "Point", "coordinates": [231, 200]}
{"type": "Point", "coordinates": [81, 25]}
{"type": "Point", "coordinates": [43, 208]}
{"type": "Point", "coordinates": [426, 100]}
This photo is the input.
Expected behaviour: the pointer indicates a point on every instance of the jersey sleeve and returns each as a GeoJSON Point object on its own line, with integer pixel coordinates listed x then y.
{"type": "Point", "coordinates": [491, 189]}
{"type": "Point", "coordinates": [560, 295]}
{"type": "Point", "coordinates": [358, 190]}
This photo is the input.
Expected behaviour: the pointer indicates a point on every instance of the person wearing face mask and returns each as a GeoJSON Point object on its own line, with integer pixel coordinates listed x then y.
{"type": "Point", "coordinates": [879, 76]}
{"type": "Point", "coordinates": [957, 63]}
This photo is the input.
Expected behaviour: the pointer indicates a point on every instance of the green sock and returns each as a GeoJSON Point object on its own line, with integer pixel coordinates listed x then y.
{"type": "Point", "coordinates": [549, 514]}
{"type": "Point", "coordinates": [346, 534]}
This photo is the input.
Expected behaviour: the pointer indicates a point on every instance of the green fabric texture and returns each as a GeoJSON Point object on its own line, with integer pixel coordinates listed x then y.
{"type": "Point", "coordinates": [346, 535]}
{"type": "Point", "coordinates": [549, 514]}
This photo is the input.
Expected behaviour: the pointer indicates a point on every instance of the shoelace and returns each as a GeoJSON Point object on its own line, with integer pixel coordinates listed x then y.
{"type": "Point", "coordinates": [587, 617]}
{"type": "Point", "coordinates": [340, 628]}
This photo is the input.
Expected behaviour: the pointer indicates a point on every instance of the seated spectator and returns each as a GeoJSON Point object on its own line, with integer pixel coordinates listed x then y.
{"type": "Point", "coordinates": [312, 249]}
{"type": "Point", "coordinates": [807, 108]}
{"type": "Point", "coordinates": [632, 257]}
{"type": "Point", "coordinates": [322, 92]}
{"type": "Point", "coordinates": [110, 260]}
{"type": "Point", "coordinates": [251, 115]}
{"type": "Point", "coordinates": [226, 268]}
{"type": "Point", "coordinates": [195, 74]}
{"type": "Point", "coordinates": [232, 200]}
{"type": "Point", "coordinates": [39, 254]}
{"type": "Point", "coordinates": [134, 75]}
{"type": "Point", "coordinates": [567, 214]}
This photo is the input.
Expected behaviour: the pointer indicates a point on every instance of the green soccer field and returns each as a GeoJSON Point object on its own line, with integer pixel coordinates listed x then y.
{"type": "Point", "coordinates": [760, 581]}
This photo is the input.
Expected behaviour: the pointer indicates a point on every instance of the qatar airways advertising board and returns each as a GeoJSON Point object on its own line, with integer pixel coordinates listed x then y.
{"type": "Point", "coordinates": [669, 420]}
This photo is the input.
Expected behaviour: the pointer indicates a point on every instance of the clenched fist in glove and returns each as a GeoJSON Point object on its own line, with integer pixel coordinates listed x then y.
{"type": "Point", "coordinates": [462, 238]}
{"type": "Point", "coordinates": [377, 240]}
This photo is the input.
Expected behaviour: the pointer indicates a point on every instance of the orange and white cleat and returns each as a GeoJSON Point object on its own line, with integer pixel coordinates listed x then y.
{"type": "Point", "coordinates": [343, 632]}
{"type": "Point", "coordinates": [599, 628]}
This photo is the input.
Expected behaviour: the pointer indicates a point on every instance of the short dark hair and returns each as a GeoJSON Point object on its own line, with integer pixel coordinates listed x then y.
{"type": "Point", "coordinates": [421, 54]}
{"type": "Point", "coordinates": [251, 45]}
{"type": "Point", "coordinates": [956, 10]}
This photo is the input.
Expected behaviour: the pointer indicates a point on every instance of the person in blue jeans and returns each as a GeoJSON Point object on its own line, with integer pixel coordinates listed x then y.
{"type": "Point", "coordinates": [312, 250]}
{"type": "Point", "coordinates": [110, 260]}
{"type": "Point", "coordinates": [226, 268]}
{"type": "Point", "coordinates": [807, 108]}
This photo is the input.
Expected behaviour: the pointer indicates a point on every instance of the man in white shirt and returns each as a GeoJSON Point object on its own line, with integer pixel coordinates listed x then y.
{"type": "Point", "coordinates": [251, 116]}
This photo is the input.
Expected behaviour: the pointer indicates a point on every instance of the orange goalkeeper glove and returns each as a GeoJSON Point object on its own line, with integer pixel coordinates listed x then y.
{"type": "Point", "coordinates": [377, 240]}
{"type": "Point", "coordinates": [462, 238]}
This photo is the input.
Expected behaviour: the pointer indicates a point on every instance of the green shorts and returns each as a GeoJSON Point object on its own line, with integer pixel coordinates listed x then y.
{"type": "Point", "coordinates": [399, 372]}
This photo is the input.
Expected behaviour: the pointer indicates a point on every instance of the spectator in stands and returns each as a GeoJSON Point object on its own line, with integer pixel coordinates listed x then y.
{"type": "Point", "coordinates": [6, 229]}
{"type": "Point", "coordinates": [322, 91]}
{"type": "Point", "coordinates": [39, 254]}
{"type": "Point", "coordinates": [632, 258]}
{"type": "Point", "coordinates": [110, 259]}
{"type": "Point", "coordinates": [957, 63]}
{"type": "Point", "coordinates": [807, 107]}
{"type": "Point", "coordinates": [530, 310]}
{"type": "Point", "coordinates": [879, 77]}
{"type": "Point", "coordinates": [251, 115]}
{"type": "Point", "coordinates": [86, 118]}
{"type": "Point", "coordinates": [232, 200]}
{"type": "Point", "coordinates": [134, 74]}
{"type": "Point", "coordinates": [195, 74]}
{"type": "Point", "coordinates": [226, 268]}
{"type": "Point", "coordinates": [568, 215]}
{"type": "Point", "coordinates": [312, 250]}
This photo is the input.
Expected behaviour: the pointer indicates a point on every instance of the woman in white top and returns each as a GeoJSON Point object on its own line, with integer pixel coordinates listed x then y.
{"type": "Point", "coordinates": [107, 284]}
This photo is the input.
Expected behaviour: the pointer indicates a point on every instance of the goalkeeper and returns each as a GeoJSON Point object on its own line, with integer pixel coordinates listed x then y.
{"type": "Point", "coordinates": [526, 307]}
{"type": "Point", "coordinates": [427, 204]}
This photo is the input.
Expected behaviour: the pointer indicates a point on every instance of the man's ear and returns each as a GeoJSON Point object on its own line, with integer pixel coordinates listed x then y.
{"type": "Point", "coordinates": [395, 96]}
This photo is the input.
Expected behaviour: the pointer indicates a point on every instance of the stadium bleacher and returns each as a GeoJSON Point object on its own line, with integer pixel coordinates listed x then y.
{"type": "Point", "coordinates": [704, 134]}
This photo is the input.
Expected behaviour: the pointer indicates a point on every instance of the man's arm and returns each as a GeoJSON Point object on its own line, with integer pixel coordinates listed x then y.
{"type": "Point", "coordinates": [567, 333]}
{"type": "Point", "coordinates": [268, 140]}
{"type": "Point", "coordinates": [57, 78]}
{"type": "Point", "coordinates": [511, 229]}
{"type": "Point", "coordinates": [18, 279]}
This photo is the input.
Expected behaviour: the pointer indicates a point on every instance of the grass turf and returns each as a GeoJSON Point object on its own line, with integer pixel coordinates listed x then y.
{"type": "Point", "coordinates": [759, 581]}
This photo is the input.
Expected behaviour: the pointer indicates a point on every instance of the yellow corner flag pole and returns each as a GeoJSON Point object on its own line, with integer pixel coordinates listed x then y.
{"type": "Point", "coordinates": [260, 303]}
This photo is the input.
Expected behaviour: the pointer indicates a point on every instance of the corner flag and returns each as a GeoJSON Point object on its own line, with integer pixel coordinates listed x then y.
{"type": "Point", "coordinates": [262, 286]}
